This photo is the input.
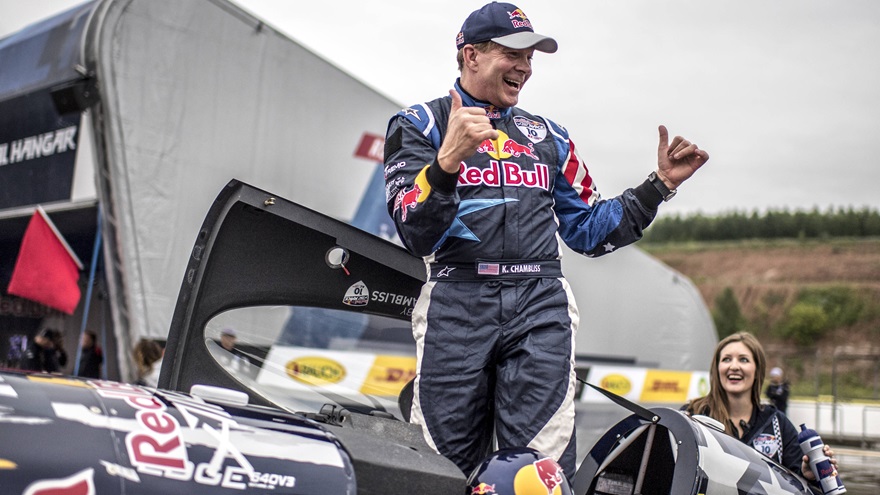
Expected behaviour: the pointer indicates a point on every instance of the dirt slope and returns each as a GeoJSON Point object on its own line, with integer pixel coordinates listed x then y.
{"type": "Point", "coordinates": [754, 269]}
{"type": "Point", "coordinates": [766, 278]}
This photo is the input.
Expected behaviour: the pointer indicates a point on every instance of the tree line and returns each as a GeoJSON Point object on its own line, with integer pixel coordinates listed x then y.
{"type": "Point", "coordinates": [772, 224]}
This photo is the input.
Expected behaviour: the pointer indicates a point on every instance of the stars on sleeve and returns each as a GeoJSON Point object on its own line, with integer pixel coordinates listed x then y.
{"type": "Point", "coordinates": [413, 112]}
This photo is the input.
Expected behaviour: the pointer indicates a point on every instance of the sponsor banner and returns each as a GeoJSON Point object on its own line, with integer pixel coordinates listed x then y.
{"type": "Point", "coordinates": [668, 387]}
{"type": "Point", "coordinates": [342, 372]}
{"type": "Point", "coordinates": [623, 381]}
{"type": "Point", "coordinates": [646, 386]}
{"type": "Point", "coordinates": [388, 375]}
{"type": "Point", "coordinates": [699, 385]}
{"type": "Point", "coordinates": [37, 151]}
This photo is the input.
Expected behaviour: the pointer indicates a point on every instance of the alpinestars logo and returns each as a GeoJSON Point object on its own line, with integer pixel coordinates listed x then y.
{"type": "Point", "coordinates": [357, 295]}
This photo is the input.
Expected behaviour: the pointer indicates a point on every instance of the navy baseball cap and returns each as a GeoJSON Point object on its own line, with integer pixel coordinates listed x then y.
{"type": "Point", "coordinates": [505, 24]}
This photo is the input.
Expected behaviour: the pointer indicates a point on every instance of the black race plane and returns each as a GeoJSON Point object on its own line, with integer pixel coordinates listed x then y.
{"type": "Point", "coordinates": [285, 372]}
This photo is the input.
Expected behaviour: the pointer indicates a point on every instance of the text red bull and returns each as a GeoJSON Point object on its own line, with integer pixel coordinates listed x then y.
{"type": "Point", "coordinates": [508, 174]}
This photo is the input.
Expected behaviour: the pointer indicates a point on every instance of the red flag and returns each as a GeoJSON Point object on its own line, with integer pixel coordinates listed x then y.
{"type": "Point", "coordinates": [47, 270]}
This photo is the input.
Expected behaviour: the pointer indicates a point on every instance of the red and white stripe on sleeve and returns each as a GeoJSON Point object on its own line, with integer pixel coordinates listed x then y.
{"type": "Point", "coordinates": [576, 173]}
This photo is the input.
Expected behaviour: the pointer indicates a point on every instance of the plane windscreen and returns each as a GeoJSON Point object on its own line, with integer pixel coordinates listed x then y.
{"type": "Point", "coordinates": [301, 357]}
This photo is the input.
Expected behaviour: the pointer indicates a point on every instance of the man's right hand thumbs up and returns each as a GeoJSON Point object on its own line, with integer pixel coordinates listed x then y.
{"type": "Point", "coordinates": [466, 129]}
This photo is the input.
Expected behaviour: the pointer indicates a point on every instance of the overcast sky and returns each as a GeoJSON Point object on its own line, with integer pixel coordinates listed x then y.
{"type": "Point", "coordinates": [783, 94]}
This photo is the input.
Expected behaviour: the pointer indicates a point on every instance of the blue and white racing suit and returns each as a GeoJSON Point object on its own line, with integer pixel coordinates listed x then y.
{"type": "Point", "coordinates": [495, 322]}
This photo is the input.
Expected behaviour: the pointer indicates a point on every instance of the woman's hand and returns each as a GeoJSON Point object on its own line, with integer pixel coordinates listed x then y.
{"type": "Point", "coordinates": [805, 464]}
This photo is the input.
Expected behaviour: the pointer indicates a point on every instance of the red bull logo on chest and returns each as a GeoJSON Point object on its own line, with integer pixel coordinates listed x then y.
{"type": "Point", "coordinates": [492, 112]}
{"type": "Point", "coordinates": [505, 174]}
{"type": "Point", "coordinates": [506, 147]}
{"type": "Point", "coordinates": [515, 149]}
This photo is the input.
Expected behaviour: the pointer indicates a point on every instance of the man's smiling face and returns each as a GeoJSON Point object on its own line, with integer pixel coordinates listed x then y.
{"type": "Point", "coordinates": [500, 74]}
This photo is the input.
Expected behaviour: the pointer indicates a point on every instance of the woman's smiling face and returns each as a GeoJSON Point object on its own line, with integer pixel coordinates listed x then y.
{"type": "Point", "coordinates": [736, 369]}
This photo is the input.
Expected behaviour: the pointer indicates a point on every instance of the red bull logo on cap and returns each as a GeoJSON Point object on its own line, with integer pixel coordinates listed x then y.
{"type": "Point", "coordinates": [518, 19]}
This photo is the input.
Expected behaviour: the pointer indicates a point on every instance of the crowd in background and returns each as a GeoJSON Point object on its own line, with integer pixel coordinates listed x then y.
{"type": "Point", "coordinates": [46, 353]}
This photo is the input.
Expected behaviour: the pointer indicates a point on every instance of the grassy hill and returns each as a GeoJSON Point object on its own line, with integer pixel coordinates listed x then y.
{"type": "Point", "coordinates": [815, 305]}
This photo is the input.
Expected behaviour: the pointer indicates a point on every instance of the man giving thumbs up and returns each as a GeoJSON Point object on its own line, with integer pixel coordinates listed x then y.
{"type": "Point", "coordinates": [483, 190]}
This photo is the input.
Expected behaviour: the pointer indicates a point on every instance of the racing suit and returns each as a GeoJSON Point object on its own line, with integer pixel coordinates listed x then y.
{"type": "Point", "coordinates": [770, 432]}
{"type": "Point", "coordinates": [495, 322]}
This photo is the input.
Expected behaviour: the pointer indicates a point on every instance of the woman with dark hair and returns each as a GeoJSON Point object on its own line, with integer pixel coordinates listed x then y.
{"type": "Point", "coordinates": [736, 376]}
{"type": "Point", "coordinates": [148, 359]}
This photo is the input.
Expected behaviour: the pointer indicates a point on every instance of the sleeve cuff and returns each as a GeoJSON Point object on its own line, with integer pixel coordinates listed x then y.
{"type": "Point", "coordinates": [648, 195]}
{"type": "Point", "coordinates": [442, 180]}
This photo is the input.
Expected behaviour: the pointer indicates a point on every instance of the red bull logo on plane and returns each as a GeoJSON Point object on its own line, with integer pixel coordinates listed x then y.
{"type": "Point", "coordinates": [81, 483]}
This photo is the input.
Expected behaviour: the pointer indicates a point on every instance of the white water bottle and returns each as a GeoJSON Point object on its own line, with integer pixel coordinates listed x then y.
{"type": "Point", "coordinates": [813, 446]}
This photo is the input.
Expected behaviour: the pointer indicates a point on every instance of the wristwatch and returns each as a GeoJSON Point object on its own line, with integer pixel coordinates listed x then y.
{"type": "Point", "coordinates": [658, 183]}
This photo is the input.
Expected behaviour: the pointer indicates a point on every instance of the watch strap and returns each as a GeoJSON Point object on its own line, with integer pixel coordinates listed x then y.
{"type": "Point", "coordinates": [661, 187]}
